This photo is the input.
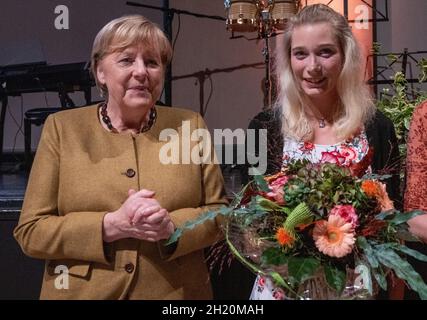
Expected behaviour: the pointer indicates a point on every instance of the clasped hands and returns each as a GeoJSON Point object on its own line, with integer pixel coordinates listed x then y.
{"type": "Point", "coordinates": [140, 217]}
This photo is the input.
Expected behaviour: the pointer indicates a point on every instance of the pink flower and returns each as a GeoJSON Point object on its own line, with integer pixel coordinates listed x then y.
{"type": "Point", "coordinates": [348, 153]}
{"type": "Point", "coordinates": [261, 281]}
{"type": "Point", "coordinates": [347, 212]}
{"type": "Point", "coordinates": [307, 147]}
{"type": "Point", "coordinates": [335, 237]}
{"type": "Point", "coordinates": [332, 157]}
{"type": "Point", "coordinates": [276, 184]}
{"type": "Point", "coordinates": [278, 294]}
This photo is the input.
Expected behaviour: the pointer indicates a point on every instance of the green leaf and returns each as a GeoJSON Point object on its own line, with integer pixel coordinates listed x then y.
{"type": "Point", "coordinates": [208, 215]}
{"type": "Point", "coordinates": [400, 247]}
{"type": "Point", "coordinates": [336, 197]}
{"type": "Point", "coordinates": [335, 278]}
{"type": "Point", "coordinates": [300, 215]}
{"type": "Point", "coordinates": [287, 210]}
{"type": "Point", "coordinates": [406, 123]}
{"type": "Point", "coordinates": [301, 269]}
{"type": "Point", "coordinates": [239, 196]}
{"type": "Point", "coordinates": [364, 277]}
{"type": "Point", "coordinates": [374, 176]}
{"type": "Point", "coordinates": [273, 256]}
{"type": "Point", "coordinates": [380, 278]}
{"type": "Point", "coordinates": [385, 215]}
{"type": "Point", "coordinates": [261, 183]}
{"type": "Point", "coordinates": [278, 279]}
{"type": "Point", "coordinates": [403, 270]}
{"type": "Point", "coordinates": [403, 217]}
{"type": "Point", "coordinates": [392, 57]}
{"type": "Point", "coordinates": [265, 204]}
{"type": "Point", "coordinates": [368, 251]}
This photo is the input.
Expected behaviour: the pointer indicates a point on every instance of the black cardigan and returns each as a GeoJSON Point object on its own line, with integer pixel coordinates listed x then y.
{"type": "Point", "coordinates": [381, 137]}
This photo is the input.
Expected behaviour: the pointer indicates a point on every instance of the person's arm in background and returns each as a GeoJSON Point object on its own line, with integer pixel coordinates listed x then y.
{"type": "Point", "coordinates": [416, 171]}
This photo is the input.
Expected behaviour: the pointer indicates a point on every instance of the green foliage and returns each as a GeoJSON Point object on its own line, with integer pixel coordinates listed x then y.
{"type": "Point", "coordinates": [390, 259]}
{"type": "Point", "coordinates": [423, 70]}
{"type": "Point", "coordinates": [274, 256]}
{"type": "Point", "coordinates": [302, 269]}
{"type": "Point", "coordinates": [209, 215]}
{"type": "Point", "coordinates": [335, 278]}
{"type": "Point", "coordinates": [382, 256]}
{"type": "Point", "coordinates": [399, 106]}
{"type": "Point", "coordinates": [300, 215]}
{"type": "Point", "coordinates": [322, 186]}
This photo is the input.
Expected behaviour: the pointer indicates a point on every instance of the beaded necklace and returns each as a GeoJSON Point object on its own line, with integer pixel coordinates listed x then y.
{"type": "Point", "coordinates": [106, 119]}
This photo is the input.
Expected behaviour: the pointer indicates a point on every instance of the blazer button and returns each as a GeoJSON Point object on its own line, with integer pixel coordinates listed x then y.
{"type": "Point", "coordinates": [130, 173]}
{"type": "Point", "coordinates": [129, 267]}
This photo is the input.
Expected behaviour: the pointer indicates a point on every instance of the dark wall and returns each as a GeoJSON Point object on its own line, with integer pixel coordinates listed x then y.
{"type": "Point", "coordinates": [20, 276]}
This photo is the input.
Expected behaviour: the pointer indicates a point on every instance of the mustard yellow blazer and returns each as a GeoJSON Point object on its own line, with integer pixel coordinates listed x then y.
{"type": "Point", "coordinates": [81, 172]}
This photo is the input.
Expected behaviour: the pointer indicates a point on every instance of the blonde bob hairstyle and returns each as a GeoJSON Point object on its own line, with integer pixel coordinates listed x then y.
{"type": "Point", "coordinates": [124, 32]}
{"type": "Point", "coordinates": [355, 105]}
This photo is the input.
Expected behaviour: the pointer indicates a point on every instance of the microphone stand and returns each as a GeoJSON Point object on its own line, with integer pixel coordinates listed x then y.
{"type": "Point", "coordinates": [265, 32]}
{"type": "Point", "coordinates": [202, 75]}
{"type": "Point", "coordinates": [167, 21]}
{"type": "Point", "coordinates": [4, 102]}
{"type": "Point", "coordinates": [267, 81]}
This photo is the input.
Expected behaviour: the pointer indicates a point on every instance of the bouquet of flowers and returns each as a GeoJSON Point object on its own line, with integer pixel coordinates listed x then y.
{"type": "Point", "coordinates": [320, 231]}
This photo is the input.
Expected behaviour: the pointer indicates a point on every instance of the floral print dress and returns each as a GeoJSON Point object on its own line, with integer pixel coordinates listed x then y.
{"type": "Point", "coordinates": [345, 153]}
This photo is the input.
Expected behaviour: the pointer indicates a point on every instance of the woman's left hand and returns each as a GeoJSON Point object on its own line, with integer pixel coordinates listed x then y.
{"type": "Point", "coordinates": [152, 222]}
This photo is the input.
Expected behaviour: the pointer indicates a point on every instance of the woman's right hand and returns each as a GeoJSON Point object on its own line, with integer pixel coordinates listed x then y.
{"type": "Point", "coordinates": [418, 227]}
{"type": "Point", "coordinates": [119, 224]}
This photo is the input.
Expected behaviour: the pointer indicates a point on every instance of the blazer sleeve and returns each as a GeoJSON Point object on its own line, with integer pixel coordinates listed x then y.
{"type": "Point", "coordinates": [41, 231]}
{"type": "Point", "coordinates": [213, 196]}
{"type": "Point", "coordinates": [416, 165]}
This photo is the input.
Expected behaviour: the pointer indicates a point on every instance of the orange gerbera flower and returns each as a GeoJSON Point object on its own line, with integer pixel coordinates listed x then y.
{"type": "Point", "coordinates": [384, 200]}
{"type": "Point", "coordinates": [334, 237]}
{"type": "Point", "coordinates": [371, 188]}
{"type": "Point", "coordinates": [378, 190]}
{"type": "Point", "coordinates": [284, 238]}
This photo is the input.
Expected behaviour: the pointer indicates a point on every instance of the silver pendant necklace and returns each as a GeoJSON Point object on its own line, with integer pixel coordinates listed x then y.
{"type": "Point", "coordinates": [322, 123]}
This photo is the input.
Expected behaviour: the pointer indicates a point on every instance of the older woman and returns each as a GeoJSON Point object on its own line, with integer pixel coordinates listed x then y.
{"type": "Point", "coordinates": [324, 112]}
{"type": "Point", "coordinates": [104, 193]}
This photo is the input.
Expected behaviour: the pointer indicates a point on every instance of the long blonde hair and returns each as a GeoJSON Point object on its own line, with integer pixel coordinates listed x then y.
{"type": "Point", "coordinates": [356, 105]}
